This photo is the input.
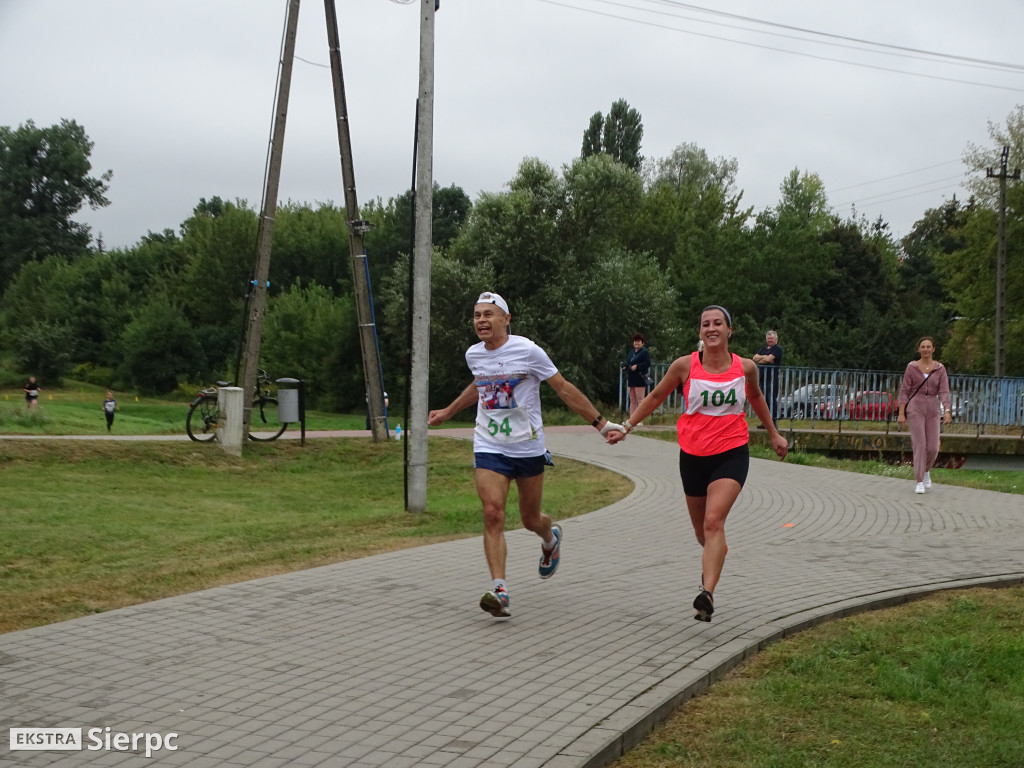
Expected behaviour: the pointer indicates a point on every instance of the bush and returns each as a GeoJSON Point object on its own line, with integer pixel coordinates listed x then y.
{"type": "Point", "coordinates": [160, 349]}
{"type": "Point", "coordinates": [91, 373]}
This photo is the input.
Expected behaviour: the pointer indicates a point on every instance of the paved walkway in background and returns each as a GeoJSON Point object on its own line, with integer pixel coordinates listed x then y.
{"type": "Point", "coordinates": [388, 661]}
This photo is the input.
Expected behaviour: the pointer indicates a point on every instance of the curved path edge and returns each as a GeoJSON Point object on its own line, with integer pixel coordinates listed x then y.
{"type": "Point", "coordinates": [388, 661]}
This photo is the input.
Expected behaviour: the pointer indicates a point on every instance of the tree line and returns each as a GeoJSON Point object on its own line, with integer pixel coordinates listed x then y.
{"type": "Point", "coordinates": [608, 244]}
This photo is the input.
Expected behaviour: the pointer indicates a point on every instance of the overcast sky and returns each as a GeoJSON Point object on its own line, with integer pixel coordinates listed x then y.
{"type": "Point", "coordinates": [178, 96]}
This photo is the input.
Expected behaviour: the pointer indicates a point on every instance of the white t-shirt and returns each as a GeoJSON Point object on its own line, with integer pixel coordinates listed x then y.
{"type": "Point", "coordinates": [508, 418]}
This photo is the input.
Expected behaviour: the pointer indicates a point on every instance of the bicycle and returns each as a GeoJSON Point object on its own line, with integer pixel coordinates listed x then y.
{"type": "Point", "coordinates": [201, 422]}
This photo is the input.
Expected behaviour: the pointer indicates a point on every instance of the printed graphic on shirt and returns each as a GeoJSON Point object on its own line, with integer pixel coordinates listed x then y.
{"type": "Point", "coordinates": [716, 398]}
{"type": "Point", "coordinates": [499, 417]}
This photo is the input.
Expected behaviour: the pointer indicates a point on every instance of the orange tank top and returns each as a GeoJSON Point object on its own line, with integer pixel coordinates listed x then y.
{"type": "Point", "coordinates": [713, 420]}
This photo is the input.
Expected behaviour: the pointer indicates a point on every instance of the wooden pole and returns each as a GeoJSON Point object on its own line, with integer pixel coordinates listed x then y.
{"type": "Point", "coordinates": [372, 374]}
{"type": "Point", "coordinates": [265, 233]}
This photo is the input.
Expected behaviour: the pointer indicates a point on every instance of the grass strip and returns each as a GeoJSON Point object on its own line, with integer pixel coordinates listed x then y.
{"type": "Point", "coordinates": [935, 682]}
{"type": "Point", "coordinates": [93, 526]}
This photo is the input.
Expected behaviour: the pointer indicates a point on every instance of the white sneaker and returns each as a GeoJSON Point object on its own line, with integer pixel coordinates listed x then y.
{"type": "Point", "coordinates": [919, 488]}
{"type": "Point", "coordinates": [927, 481]}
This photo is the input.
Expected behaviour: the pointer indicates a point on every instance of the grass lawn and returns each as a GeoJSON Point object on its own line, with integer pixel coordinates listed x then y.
{"type": "Point", "coordinates": [77, 410]}
{"type": "Point", "coordinates": [936, 682]}
{"type": "Point", "coordinates": [91, 526]}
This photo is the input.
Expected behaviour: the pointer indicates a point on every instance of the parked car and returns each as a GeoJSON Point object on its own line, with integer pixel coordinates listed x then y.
{"type": "Point", "coordinates": [822, 401]}
{"type": "Point", "coordinates": [959, 406]}
{"type": "Point", "coordinates": [872, 405]}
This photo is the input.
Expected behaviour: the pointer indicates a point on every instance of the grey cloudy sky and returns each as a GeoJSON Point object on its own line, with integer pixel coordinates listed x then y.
{"type": "Point", "coordinates": [178, 96]}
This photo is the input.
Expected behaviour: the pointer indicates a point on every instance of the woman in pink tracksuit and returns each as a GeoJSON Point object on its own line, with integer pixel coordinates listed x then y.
{"type": "Point", "coordinates": [924, 400]}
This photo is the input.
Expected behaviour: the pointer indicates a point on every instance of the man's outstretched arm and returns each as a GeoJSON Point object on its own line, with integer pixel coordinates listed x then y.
{"type": "Point", "coordinates": [467, 398]}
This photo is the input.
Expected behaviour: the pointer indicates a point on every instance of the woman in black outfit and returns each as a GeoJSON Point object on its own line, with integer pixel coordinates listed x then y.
{"type": "Point", "coordinates": [637, 366]}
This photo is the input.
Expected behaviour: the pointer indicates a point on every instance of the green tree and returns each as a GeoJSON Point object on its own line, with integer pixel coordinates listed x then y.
{"type": "Point", "coordinates": [979, 158]}
{"type": "Point", "coordinates": [454, 287]}
{"type": "Point", "coordinates": [691, 221]}
{"type": "Point", "coordinates": [552, 246]}
{"type": "Point", "coordinates": [621, 135]}
{"type": "Point", "coordinates": [311, 246]}
{"type": "Point", "coordinates": [44, 182]}
{"type": "Point", "coordinates": [45, 348]}
{"type": "Point", "coordinates": [858, 297]}
{"type": "Point", "coordinates": [160, 348]}
{"type": "Point", "coordinates": [783, 270]}
{"type": "Point", "coordinates": [392, 226]}
{"type": "Point", "coordinates": [311, 334]}
{"type": "Point", "coordinates": [969, 273]}
{"type": "Point", "coordinates": [925, 304]}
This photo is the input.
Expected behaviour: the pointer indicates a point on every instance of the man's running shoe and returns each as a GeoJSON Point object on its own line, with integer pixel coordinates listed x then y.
{"type": "Point", "coordinates": [496, 602]}
{"type": "Point", "coordinates": [704, 605]}
{"type": "Point", "coordinates": [549, 557]}
{"type": "Point", "coordinates": [927, 481]}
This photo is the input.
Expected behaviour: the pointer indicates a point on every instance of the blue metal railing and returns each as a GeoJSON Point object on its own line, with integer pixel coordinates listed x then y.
{"type": "Point", "coordinates": [818, 394]}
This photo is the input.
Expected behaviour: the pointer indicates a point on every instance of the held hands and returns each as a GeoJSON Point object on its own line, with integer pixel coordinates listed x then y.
{"type": "Point", "coordinates": [614, 436]}
{"type": "Point", "coordinates": [612, 430]}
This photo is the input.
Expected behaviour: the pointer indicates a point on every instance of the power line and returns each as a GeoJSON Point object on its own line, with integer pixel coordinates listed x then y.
{"type": "Point", "coordinates": [896, 176]}
{"type": "Point", "coordinates": [944, 182]}
{"type": "Point", "coordinates": [860, 204]}
{"type": "Point", "coordinates": [769, 47]}
{"type": "Point", "coordinates": [906, 49]}
{"type": "Point", "coordinates": [313, 63]}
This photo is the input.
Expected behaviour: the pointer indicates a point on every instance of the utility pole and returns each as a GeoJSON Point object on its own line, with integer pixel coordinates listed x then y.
{"type": "Point", "coordinates": [265, 233]}
{"type": "Point", "coordinates": [419, 366]}
{"type": "Point", "coordinates": [1003, 175]}
{"type": "Point", "coordinates": [372, 375]}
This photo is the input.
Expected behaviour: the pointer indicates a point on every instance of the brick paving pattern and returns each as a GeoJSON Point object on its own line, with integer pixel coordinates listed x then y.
{"type": "Point", "coordinates": [387, 661]}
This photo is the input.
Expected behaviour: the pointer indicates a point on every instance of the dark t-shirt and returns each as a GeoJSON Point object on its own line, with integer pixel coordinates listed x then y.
{"type": "Point", "coordinates": [31, 389]}
{"type": "Point", "coordinates": [776, 350]}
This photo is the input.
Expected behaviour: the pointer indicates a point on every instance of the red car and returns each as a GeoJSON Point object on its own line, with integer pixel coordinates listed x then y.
{"type": "Point", "coordinates": [872, 406]}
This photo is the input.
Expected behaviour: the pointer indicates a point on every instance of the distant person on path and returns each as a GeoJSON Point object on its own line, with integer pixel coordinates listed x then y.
{"type": "Point", "coordinates": [768, 360]}
{"type": "Point", "coordinates": [713, 438]}
{"type": "Point", "coordinates": [508, 440]}
{"type": "Point", "coordinates": [924, 400]}
{"type": "Point", "coordinates": [31, 393]}
{"type": "Point", "coordinates": [109, 406]}
{"type": "Point", "coordinates": [637, 365]}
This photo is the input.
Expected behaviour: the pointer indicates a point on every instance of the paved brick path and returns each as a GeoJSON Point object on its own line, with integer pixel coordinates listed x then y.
{"type": "Point", "coordinates": [387, 661]}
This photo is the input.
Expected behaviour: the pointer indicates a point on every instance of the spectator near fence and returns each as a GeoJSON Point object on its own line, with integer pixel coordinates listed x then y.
{"type": "Point", "coordinates": [637, 366]}
{"type": "Point", "coordinates": [769, 359]}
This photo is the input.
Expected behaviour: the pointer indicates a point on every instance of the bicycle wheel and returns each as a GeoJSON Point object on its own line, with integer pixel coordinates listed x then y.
{"type": "Point", "coordinates": [201, 423]}
{"type": "Point", "coordinates": [263, 423]}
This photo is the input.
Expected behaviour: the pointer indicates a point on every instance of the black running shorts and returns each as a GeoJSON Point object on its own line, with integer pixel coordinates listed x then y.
{"type": "Point", "coordinates": [698, 472]}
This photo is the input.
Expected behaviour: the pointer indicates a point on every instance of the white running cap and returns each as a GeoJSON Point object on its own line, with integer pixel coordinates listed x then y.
{"type": "Point", "coordinates": [489, 297]}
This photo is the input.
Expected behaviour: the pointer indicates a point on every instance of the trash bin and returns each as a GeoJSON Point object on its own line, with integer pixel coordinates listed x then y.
{"type": "Point", "coordinates": [289, 405]}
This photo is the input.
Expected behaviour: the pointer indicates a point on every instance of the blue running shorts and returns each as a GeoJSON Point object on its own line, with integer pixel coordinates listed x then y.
{"type": "Point", "coordinates": [510, 466]}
